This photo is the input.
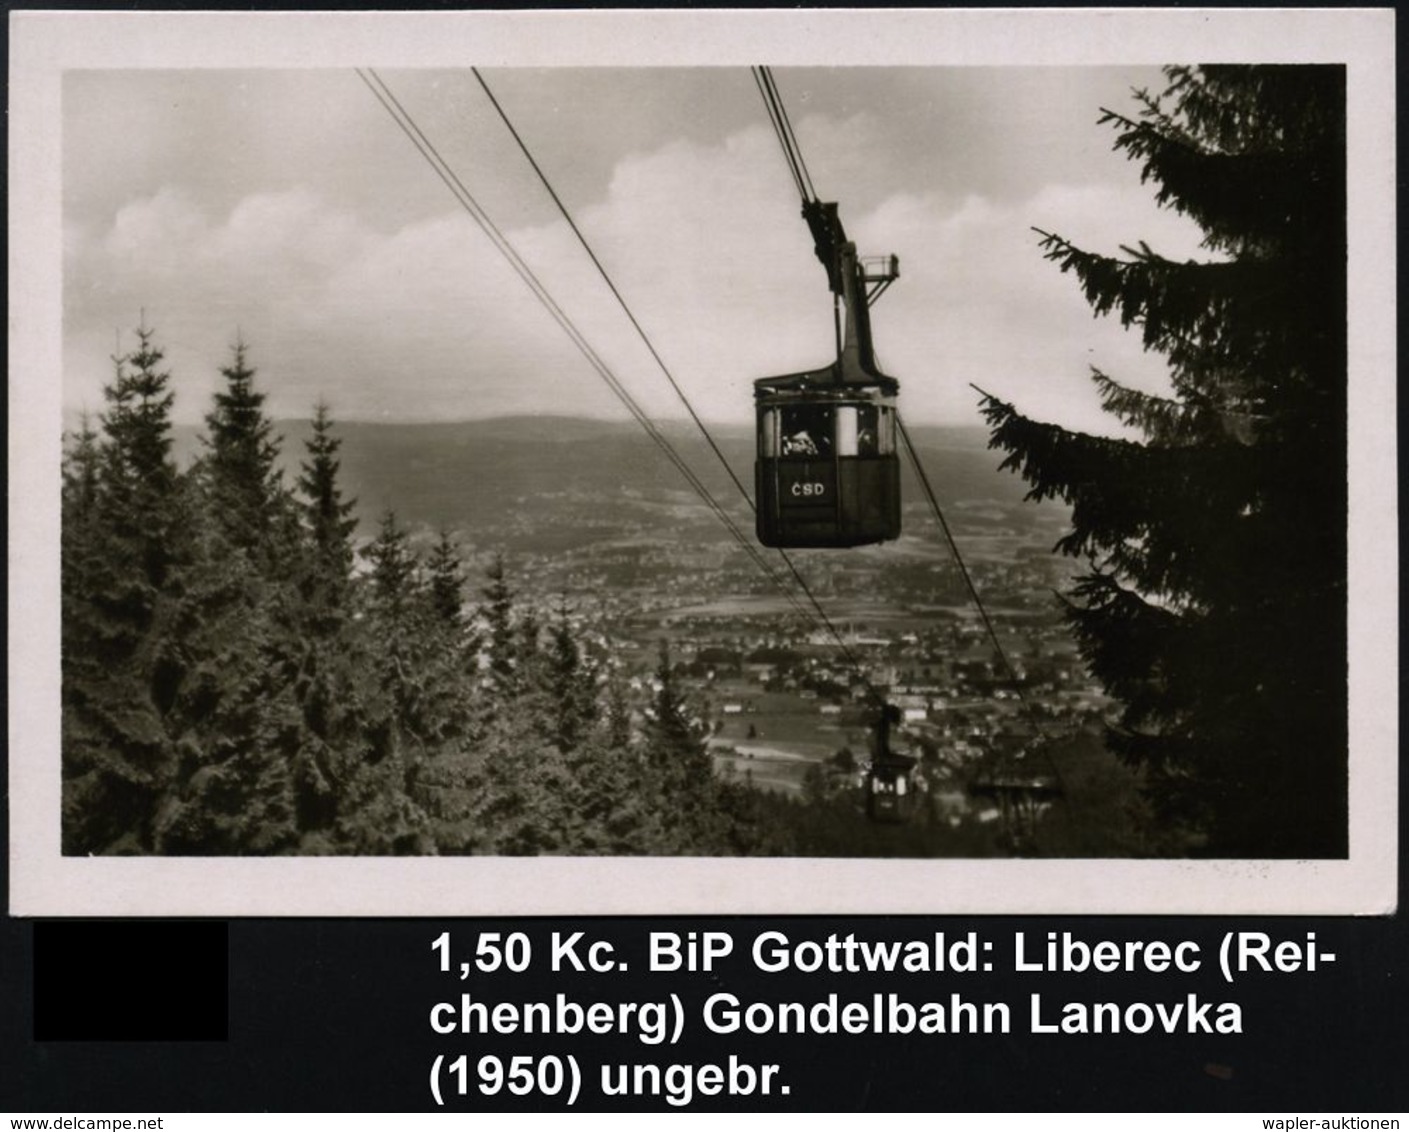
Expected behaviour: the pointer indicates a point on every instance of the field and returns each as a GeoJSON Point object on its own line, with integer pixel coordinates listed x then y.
{"type": "Point", "coordinates": [774, 741]}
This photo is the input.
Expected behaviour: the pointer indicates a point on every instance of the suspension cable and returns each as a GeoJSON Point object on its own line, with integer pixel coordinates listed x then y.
{"type": "Point", "coordinates": [954, 547]}
{"type": "Point", "coordinates": [783, 129]}
{"type": "Point", "coordinates": [820, 613]}
{"type": "Point", "coordinates": [778, 133]}
{"type": "Point", "coordinates": [850, 657]}
{"type": "Point", "coordinates": [1008, 668]}
{"type": "Point", "coordinates": [792, 153]}
{"type": "Point", "coordinates": [602, 271]}
{"type": "Point", "coordinates": [426, 148]}
{"type": "Point", "coordinates": [462, 195]}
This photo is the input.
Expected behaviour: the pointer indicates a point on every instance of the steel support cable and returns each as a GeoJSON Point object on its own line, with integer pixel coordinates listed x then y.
{"type": "Point", "coordinates": [974, 594]}
{"type": "Point", "coordinates": [783, 129]}
{"type": "Point", "coordinates": [442, 169]}
{"type": "Point", "coordinates": [953, 546]}
{"type": "Point", "coordinates": [606, 278]}
{"type": "Point", "coordinates": [850, 657]}
{"type": "Point", "coordinates": [779, 137]}
{"type": "Point", "coordinates": [788, 130]}
{"type": "Point", "coordinates": [427, 150]}
{"type": "Point", "coordinates": [778, 132]}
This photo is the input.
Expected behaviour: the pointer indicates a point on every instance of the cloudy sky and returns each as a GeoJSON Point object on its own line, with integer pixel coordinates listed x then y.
{"type": "Point", "coordinates": [285, 207]}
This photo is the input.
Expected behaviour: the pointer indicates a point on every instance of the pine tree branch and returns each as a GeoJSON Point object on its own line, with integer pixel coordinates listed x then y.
{"type": "Point", "coordinates": [1237, 304]}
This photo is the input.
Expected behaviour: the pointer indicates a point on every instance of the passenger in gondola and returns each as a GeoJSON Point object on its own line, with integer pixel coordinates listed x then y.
{"type": "Point", "coordinates": [799, 444]}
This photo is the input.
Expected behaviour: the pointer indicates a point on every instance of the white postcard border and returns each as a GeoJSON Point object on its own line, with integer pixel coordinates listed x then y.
{"type": "Point", "coordinates": [44, 883]}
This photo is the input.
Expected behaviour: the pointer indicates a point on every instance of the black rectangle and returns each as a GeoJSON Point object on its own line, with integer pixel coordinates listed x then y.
{"type": "Point", "coordinates": [131, 980]}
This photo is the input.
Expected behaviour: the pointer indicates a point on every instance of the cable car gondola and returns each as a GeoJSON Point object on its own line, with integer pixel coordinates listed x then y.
{"type": "Point", "coordinates": [888, 777]}
{"type": "Point", "coordinates": [888, 794]}
{"type": "Point", "coordinates": [828, 470]}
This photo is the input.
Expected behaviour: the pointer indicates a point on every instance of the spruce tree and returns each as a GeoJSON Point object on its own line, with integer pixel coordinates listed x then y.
{"type": "Point", "coordinates": [670, 727]}
{"type": "Point", "coordinates": [236, 722]}
{"type": "Point", "coordinates": [123, 536]}
{"type": "Point", "coordinates": [679, 771]}
{"type": "Point", "coordinates": [242, 653]}
{"type": "Point", "coordinates": [418, 681]}
{"type": "Point", "coordinates": [447, 581]}
{"type": "Point", "coordinates": [241, 461]}
{"type": "Point", "coordinates": [1213, 602]}
{"type": "Point", "coordinates": [450, 666]}
{"type": "Point", "coordinates": [396, 570]}
{"type": "Point", "coordinates": [82, 467]}
{"type": "Point", "coordinates": [611, 808]}
{"type": "Point", "coordinates": [601, 793]}
{"type": "Point", "coordinates": [329, 692]}
{"type": "Point", "coordinates": [397, 620]}
{"type": "Point", "coordinates": [327, 517]}
{"type": "Point", "coordinates": [617, 715]}
{"type": "Point", "coordinates": [140, 471]}
{"type": "Point", "coordinates": [448, 777]}
{"type": "Point", "coordinates": [523, 803]}
{"type": "Point", "coordinates": [497, 612]}
{"type": "Point", "coordinates": [572, 691]}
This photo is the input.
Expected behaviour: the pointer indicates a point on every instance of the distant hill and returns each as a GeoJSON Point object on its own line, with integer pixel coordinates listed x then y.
{"type": "Point", "coordinates": [539, 474]}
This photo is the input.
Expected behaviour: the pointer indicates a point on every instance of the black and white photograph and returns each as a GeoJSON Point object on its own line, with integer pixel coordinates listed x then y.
{"type": "Point", "coordinates": [606, 463]}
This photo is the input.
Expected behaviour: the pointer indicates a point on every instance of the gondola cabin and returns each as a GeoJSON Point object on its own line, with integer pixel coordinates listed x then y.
{"type": "Point", "coordinates": [888, 796]}
{"type": "Point", "coordinates": [887, 789]}
{"type": "Point", "coordinates": [827, 473]}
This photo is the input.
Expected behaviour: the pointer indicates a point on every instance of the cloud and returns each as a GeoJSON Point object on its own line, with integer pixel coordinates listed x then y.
{"type": "Point", "coordinates": [703, 239]}
{"type": "Point", "coordinates": [977, 302]}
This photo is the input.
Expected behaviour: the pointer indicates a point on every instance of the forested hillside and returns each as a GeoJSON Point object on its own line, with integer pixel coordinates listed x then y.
{"type": "Point", "coordinates": [235, 681]}
{"type": "Point", "coordinates": [241, 675]}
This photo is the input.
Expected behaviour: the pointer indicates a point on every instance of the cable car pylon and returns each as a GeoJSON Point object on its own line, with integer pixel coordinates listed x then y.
{"type": "Point", "coordinates": [827, 472]}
